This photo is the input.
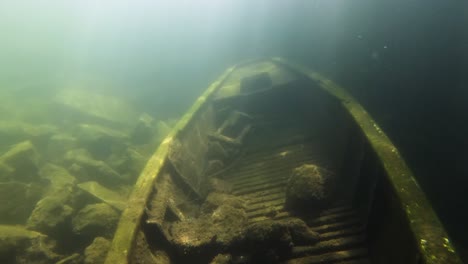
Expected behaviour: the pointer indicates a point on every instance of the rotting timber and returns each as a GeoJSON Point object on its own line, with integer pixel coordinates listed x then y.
{"type": "Point", "coordinates": [276, 164]}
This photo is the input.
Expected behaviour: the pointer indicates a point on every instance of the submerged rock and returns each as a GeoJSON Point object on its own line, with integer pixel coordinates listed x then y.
{"type": "Point", "coordinates": [218, 230]}
{"type": "Point", "coordinates": [112, 198]}
{"type": "Point", "coordinates": [215, 200]}
{"type": "Point", "coordinates": [273, 239]}
{"type": "Point", "coordinates": [86, 168]}
{"type": "Point", "coordinates": [13, 132]}
{"type": "Point", "coordinates": [18, 200]}
{"type": "Point", "coordinates": [58, 145]}
{"type": "Point", "coordinates": [309, 189]}
{"type": "Point", "coordinates": [19, 245]}
{"type": "Point", "coordinates": [101, 141]}
{"type": "Point", "coordinates": [52, 214]}
{"type": "Point", "coordinates": [88, 105]}
{"type": "Point", "coordinates": [129, 162]}
{"type": "Point", "coordinates": [95, 220]}
{"type": "Point", "coordinates": [19, 163]}
{"type": "Point", "coordinates": [97, 251]}
{"type": "Point", "coordinates": [58, 177]}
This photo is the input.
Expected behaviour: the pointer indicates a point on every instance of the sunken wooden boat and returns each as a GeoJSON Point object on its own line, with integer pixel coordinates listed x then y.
{"type": "Point", "coordinates": [276, 164]}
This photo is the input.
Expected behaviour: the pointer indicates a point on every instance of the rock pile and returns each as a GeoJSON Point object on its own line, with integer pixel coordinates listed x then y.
{"type": "Point", "coordinates": [64, 183]}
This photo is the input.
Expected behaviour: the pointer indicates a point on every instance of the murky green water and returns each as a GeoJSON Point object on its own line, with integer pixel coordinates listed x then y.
{"type": "Point", "coordinates": [88, 89]}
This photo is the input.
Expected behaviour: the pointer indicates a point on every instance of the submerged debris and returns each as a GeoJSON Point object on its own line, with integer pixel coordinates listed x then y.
{"type": "Point", "coordinates": [21, 199]}
{"type": "Point", "coordinates": [273, 240]}
{"type": "Point", "coordinates": [309, 189]}
{"type": "Point", "coordinates": [19, 163]}
{"type": "Point", "coordinates": [220, 229]}
{"type": "Point", "coordinates": [223, 228]}
{"type": "Point", "coordinates": [95, 220]}
{"type": "Point", "coordinates": [51, 214]}
{"type": "Point", "coordinates": [19, 245]}
{"type": "Point", "coordinates": [216, 199]}
{"type": "Point", "coordinates": [222, 259]}
{"type": "Point", "coordinates": [96, 252]}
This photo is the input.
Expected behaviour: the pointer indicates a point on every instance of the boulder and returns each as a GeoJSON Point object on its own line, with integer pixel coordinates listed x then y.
{"type": "Point", "coordinates": [18, 200]}
{"type": "Point", "coordinates": [95, 220]}
{"type": "Point", "coordinates": [12, 132]}
{"type": "Point", "coordinates": [58, 145]}
{"type": "Point", "coordinates": [97, 251]}
{"type": "Point", "coordinates": [101, 141]}
{"type": "Point", "coordinates": [112, 198]}
{"type": "Point", "coordinates": [52, 214]}
{"type": "Point", "coordinates": [309, 189]}
{"type": "Point", "coordinates": [85, 168]}
{"type": "Point", "coordinates": [58, 177]}
{"type": "Point", "coordinates": [79, 104]}
{"type": "Point", "coordinates": [19, 163]}
{"type": "Point", "coordinates": [129, 162]}
{"type": "Point", "coordinates": [19, 245]}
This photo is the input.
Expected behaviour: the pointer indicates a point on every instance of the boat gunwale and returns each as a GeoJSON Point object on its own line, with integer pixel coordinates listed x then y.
{"type": "Point", "coordinates": [430, 235]}
{"type": "Point", "coordinates": [130, 219]}
{"type": "Point", "coordinates": [432, 240]}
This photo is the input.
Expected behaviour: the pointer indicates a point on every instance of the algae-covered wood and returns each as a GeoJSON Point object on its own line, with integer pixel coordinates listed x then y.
{"type": "Point", "coordinates": [130, 219]}
{"type": "Point", "coordinates": [429, 233]}
{"type": "Point", "coordinates": [280, 115]}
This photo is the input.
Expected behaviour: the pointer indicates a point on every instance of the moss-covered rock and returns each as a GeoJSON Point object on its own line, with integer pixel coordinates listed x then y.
{"type": "Point", "coordinates": [218, 230]}
{"type": "Point", "coordinates": [19, 245]}
{"type": "Point", "coordinates": [112, 198]}
{"type": "Point", "coordinates": [18, 200]}
{"type": "Point", "coordinates": [85, 168]}
{"type": "Point", "coordinates": [19, 163]}
{"type": "Point", "coordinates": [88, 105]}
{"type": "Point", "coordinates": [54, 210]}
{"type": "Point", "coordinates": [216, 199]}
{"type": "Point", "coordinates": [309, 189]}
{"type": "Point", "coordinates": [58, 177]}
{"type": "Point", "coordinates": [95, 220]}
{"type": "Point", "coordinates": [101, 141]}
{"type": "Point", "coordinates": [58, 145]}
{"type": "Point", "coordinates": [273, 240]}
{"type": "Point", "coordinates": [52, 214]}
{"type": "Point", "coordinates": [12, 132]}
{"type": "Point", "coordinates": [129, 162]}
{"type": "Point", "coordinates": [97, 251]}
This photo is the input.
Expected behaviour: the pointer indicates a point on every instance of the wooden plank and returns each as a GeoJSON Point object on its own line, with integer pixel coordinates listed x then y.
{"type": "Point", "coordinates": [129, 223]}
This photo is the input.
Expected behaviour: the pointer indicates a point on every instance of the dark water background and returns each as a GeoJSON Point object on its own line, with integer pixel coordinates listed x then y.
{"type": "Point", "coordinates": [405, 61]}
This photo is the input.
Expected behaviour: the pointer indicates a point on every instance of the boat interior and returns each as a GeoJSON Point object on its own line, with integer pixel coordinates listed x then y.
{"type": "Point", "coordinates": [226, 192]}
